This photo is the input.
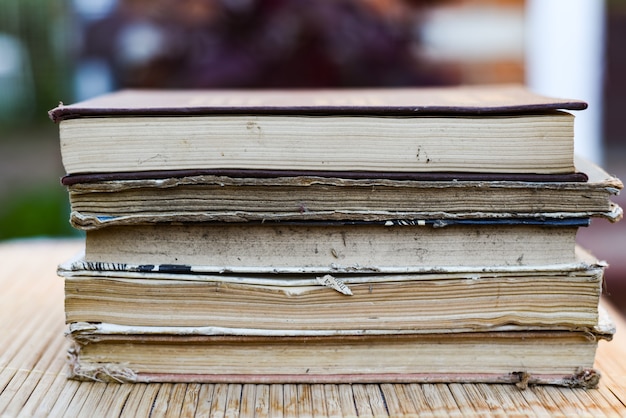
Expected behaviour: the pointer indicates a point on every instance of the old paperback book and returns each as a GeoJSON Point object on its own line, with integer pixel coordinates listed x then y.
{"type": "Point", "coordinates": [327, 247]}
{"type": "Point", "coordinates": [107, 352]}
{"type": "Point", "coordinates": [103, 200]}
{"type": "Point", "coordinates": [453, 299]}
{"type": "Point", "coordinates": [497, 129]}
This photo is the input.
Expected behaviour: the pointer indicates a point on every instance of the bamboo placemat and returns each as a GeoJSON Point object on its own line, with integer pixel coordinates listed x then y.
{"type": "Point", "coordinates": [33, 380]}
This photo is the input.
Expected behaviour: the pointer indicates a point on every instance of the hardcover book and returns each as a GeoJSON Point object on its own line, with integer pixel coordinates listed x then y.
{"type": "Point", "coordinates": [97, 201]}
{"type": "Point", "coordinates": [503, 129]}
{"type": "Point", "coordinates": [327, 247]}
{"type": "Point", "coordinates": [108, 352]}
{"type": "Point", "coordinates": [439, 299]}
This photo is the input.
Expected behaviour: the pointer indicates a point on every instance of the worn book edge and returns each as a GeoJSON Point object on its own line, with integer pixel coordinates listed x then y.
{"type": "Point", "coordinates": [77, 178]}
{"type": "Point", "coordinates": [82, 334]}
{"type": "Point", "coordinates": [78, 266]}
{"type": "Point", "coordinates": [586, 171]}
{"type": "Point", "coordinates": [454, 100]}
{"type": "Point", "coordinates": [86, 332]}
{"type": "Point", "coordinates": [598, 181]}
{"type": "Point", "coordinates": [86, 221]}
{"type": "Point", "coordinates": [584, 378]}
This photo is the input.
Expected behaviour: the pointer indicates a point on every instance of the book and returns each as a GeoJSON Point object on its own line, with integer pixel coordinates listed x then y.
{"type": "Point", "coordinates": [109, 352]}
{"type": "Point", "coordinates": [326, 247]}
{"type": "Point", "coordinates": [501, 129]}
{"type": "Point", "coordinates": [561, 296]}
{"type": "Point", "coordinates": [97, 201]}
{"type": "Point", "coordinates": [372, 235]}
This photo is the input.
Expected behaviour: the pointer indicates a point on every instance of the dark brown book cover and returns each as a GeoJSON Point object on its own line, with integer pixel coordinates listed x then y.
{"type": "Point", "coordinates": [414, 101]}
{"type": "Point", "coordinates": [71, 179]}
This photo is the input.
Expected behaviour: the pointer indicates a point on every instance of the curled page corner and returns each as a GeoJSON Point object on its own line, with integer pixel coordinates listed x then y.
{"type": "Point", "coordinates": [334, 283]}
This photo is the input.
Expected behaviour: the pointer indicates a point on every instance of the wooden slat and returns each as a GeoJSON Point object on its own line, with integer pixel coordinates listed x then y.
{"type": "Point", "coordinates": [190, 402]}
{"type": "Point", "coordinates": [416, 393]}
{"type": "Point", "coordinates": [547, 402]}
{"type": "Point", "coordinates": [609, 405]}
{"type": "Point", "coordinates": [534, 403]}
{"type": "Point", "coordinates": [511, 399]}
{"type": "Point", "coordinates": [569, 403]}
{"type": "Point", "coordinates": [43, 407]}
{"type": "Point", "coordinates": [468, 400]}
{"type": "Point", "coordinates": [37, 334]}
{"type": "Point", "coordinates": [158, 408]}
{"type": "Point", "coordinates": [61, 403]}
{"type": "Point", "coordinates": [248, 401]}
{"type": "Point", "coordinates": [205, 400]}
{"type": "Point", "coordinates": [395, 405]}
{"type": "Point", "coordinates": [290, 400]}
{"type": "Point", "coordinates": [318, 400]}
{"type": "Point", "coordinates": [262, 401]}
{"type": "Point", "coordinates": [48, 387]}
{"type": "Point", "coordinates": [175, 401]}
{"type": "Point", "coordinates": [233, 400]}
{"type": "Point", "coordinates": [333, 401]}
{"type": "Point", "coordinates": [91, 391]}
{"type": "Point", "coordinates": [304, 401]}
{"type": "Point", "coordinates": [29, 381]}
{"type": "Point", "coordinates": [276, 401]}
{"type": "Point", "coordinates": [113, 400]}
{"type": "Point", "coordinates": [616, 379]}
{"type": "Point", "coordinates": [361, 401]}
{"type": "Point", "coordinates": [94, 401]}
{"type": "Point", "coordinates": [346, 398]}
{"type": "Point", "coordinates": [130, 407]}
{"type": "Point", "coordinates": [440, 400]}
{"type": "Point", "coordinates": [508, 404]}
{"type": "Point", "coordinates": [147, 400]}
{"type": "Point", "coordinates": [377, 401]}
{"type": "Point", "coordinates": [218, 405]}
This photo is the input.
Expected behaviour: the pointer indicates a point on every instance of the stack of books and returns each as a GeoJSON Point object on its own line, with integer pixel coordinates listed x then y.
{"type": "Point", "coordinates": [374, 235]}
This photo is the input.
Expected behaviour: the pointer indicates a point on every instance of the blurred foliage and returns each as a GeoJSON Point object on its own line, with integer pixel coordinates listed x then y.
{"type": "Point", "coordinates": [40, 28]}
{"type": "Point", "coordinates": [41, 210]}
{"type": "Point", "coordinates": [36, 76]}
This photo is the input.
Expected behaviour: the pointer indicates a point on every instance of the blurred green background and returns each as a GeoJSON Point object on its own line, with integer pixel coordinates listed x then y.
{"type": "Point", "coordinates": [34, 75]}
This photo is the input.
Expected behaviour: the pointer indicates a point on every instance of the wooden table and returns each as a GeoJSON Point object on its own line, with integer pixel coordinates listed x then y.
{"type": "Point", "coordinates": [33, 380]}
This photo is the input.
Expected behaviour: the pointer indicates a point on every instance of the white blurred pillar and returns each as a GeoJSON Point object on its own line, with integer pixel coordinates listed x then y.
{"type": "Point", "coordinates": [565, 58]}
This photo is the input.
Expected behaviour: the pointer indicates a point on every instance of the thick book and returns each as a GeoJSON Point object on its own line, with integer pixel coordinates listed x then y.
{"type": "Point", "coordinates": [497, 129]}
{"type": "Point", "coordinates": [109, 352]}
{"type": "Point", "coordinates": [453, 299]}
{"type": "Point", "coordinates": [327, 247]}
{"type": "Point", "coordinates": [97, 201]}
